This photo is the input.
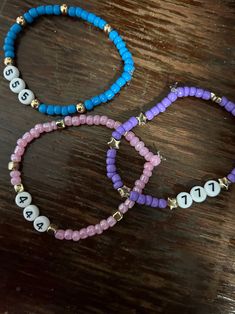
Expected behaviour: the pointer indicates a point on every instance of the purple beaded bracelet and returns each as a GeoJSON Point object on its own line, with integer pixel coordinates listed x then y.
{"type": "Point", "coordinates": [198, 194]}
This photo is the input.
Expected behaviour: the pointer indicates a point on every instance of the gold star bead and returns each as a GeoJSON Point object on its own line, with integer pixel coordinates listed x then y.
{"type": "Point", "coordinates": [224, 183]}
{"type": "Point", "coordinates": [80, 108]}
{"type": "Point", "coordinates": [172, 203]}
{"type": "Point", "coordinates": [19, 188]}
{"type": "Point", "coordinates": [64, 9]}
{"type": "Point", "coordinates": [12, 165]}
{"type": "Point", "coordinates": [8, 61]}
{"type": "Point", "coordinates": [142, 119]}
{"type": "Point", "coordinates": [52, 229]}
{"type": "Point", "coordinates": [60, 123]}
{"type": "Point", "coordinates": [216, 98]}
{"type": "Point", "coordinates": [107, 28]}
{"type": "Point", "coordinates": [118, 215]}
{"type": "Point", "coordinates": [21, 21]}
{"type": "Point", "coordinates": [35, 103]}
{"type": "Point", "coordinates": [124, 191]}
{"type": "Point", "coordinates": [113, 143]}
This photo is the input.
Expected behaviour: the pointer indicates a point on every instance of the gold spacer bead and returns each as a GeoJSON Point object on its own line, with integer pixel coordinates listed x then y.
{"type": "Point", "coordinates": [107, 28]}
{"type": "Point", "coordinates": [113, 143]}
{"type": "Point", "coordinates": [35, 103]}
{"type": "Point", "coordinates": [124, 191]}
{"type": "Point", "coordinates": [12, 165]}
{"type": "Point", "coordinates": [8, 61]}
{"type": "Point", "coordinates": [19, 188]}
{"type": "Point", "coordinates": [80, 108]}
{"type": "Point", "coordinates": [172, 203]}
{"type": "Point", "coordinates": [142, 119]}
{"type": "Point", "coordinates": [60, 123]}
{"type": "Point", "coordinates": [224, 183]}
{"type": "Point", "coordinates": [216, 98]}
{"type": "Point", "coordinates": [21, 21]}
{"type": "Point", "coordinates": [118, 215]}
{"type": "Point", "coordinates": [52, 229]}
{"type": "Point", "coordinates": [64, 9]}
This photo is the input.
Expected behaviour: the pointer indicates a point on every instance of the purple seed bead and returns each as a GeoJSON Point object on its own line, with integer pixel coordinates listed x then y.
{"type": "Point", "coordinates": [155, 110]}
{"type": "Point", "coordinates": [149, 115]}
{"type": "Point", "coordinates": [186, 91]}
{"type": "Point", "coordinates": [134, 196]}
{"type": "Point", "coordinates": [199, 93]}
{"type": "Point", "coordinates": [224, 101]}
{"type": "Point", "coordinates": [166, 102]}
{"type": "Point", "coordinates": [180, 92]}
{"type": "Point", "coordinates": [118, 185]}
{"type": "Point", "coordinates": [116, 178]}
{"type": "Point", "coordinates": [149, 200]}
{"type": "Point", "coordinates": [154, 202]}
{"type": "Point", "coordinates": [116, 135]}
{"type": "Point", "coordinates": [111, 174]}
{"type": "Point", "coordinates": [141, 199]}
{"type": "Point", "coordinates": [110, 161]}
{"type": "Point", "coordinates": [162, 203]}
{"type": "Point", "coordinates": [192, 91]}
{"type": "Point", "coordinates": [161, 107]}
{"type": "Point", "coordinates": [111, 168]}
{"type": "Point", "coordinates": [233, 171]}
{"type": "Point", "coordinates": [133, 121]}
{"type": "Point", "coordinates": [231, 178]}
{"type": "Point", "coordinates": [172, 96]}
{"type": "Point", "coordinates": [206, 95]}
{"type": "Point", "coordinates": [127, 126]}
{"type": "Point", "coordinates": [230, 106]}
{"type": "Point", "coordinates": [111, 153]}
{"type": "Point", "coordinates": [121, 130]}
{"type": "Point", "coordinates": [233, 112]}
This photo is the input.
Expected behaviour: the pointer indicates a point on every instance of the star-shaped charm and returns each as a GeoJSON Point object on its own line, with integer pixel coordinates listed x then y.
{"type": "Point", "coordinates": [142, 119]}
{"type": "Point", "coordinates": [124, 191]}
{"type": "Point", "coordinates": [113, 143]}
{"type": "Point", "coordinates": [224, 183]}
{"type": "Point", "coordinates": [172, 203]}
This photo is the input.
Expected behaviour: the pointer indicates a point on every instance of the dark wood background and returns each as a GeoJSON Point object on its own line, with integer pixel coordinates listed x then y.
{"type": "Point", "coordinates": [153, 261]}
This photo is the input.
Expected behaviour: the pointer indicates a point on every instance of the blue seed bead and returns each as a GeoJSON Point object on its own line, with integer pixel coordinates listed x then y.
{"type": "Point", "coordinates": [91, 17]}
{"type": "Point", "coordinates": [50, 110]}
{"type": "Point", "coordinates": [11, 35]}
{"type": "Point", "coordinates": [79, 12]}
{"type": "Point", "coordinates": [117, 40]}
{"type": "Point", "coordinates": [49, 9]}
{"type": "Point", "coordinates": [42, 108]}
{"type": "Point", "coordinates": [33, 12]}
{"type": "Point", "coordinates": [57, 110]}
{"type": "Point", "coordinates": [115, 88]}
{"type": "Point", "coordinates": [28, 18]}
{"type": "Point", "coordinates": [126, 76]}
{"type": "Point", "coordinates": [56, 9]}
{"type": "Point", "coordinates": [9, 54]}
{"type": "Point", "coordinates": [126, 55]}
{"type": "Point", "coordinates": [16, 28]}
{"type": "Point", "coordinates": [96, 21]}
{"type": "Point", "coordinates": [8, 48]}
{"type": "Point", "coordinates": [96, 100]}
{"type": "Point", "coordinates": [72, 11]}
{"type": "Point", "coordinates": [120, 45]}
{"type": "Point", "coordinates": [88, 104]}
{"type": "Point", "coordinates": [109, 94]}
{"type": "Point", "coordinates": [64, 111]}
{"type": "Point", "coordinates": [121, 82]}
{"type": "Point", "coordinates": [84, 15]}
{"type": "Point", "coordinates": [9, 41]}
{"type": "Point", "coordinates": [103, 98]}
{"type": "Point", "coordinates": [41, 10]}
{"type": "Point", "coordinates": [113, 34]}
{"type": "Point", "coordinates": [102, 24]}
{"type": "Point", "coordinates": [123, 50]}
{"type": "Point", "coordinates": [129, 68]}
{"type": "Point", "coordinates": [129, 61]}
{"type": "Point", "coordinates": [72, 109]}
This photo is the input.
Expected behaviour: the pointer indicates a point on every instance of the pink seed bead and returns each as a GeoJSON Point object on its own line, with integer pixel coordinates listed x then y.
{"type": "Point", "coordinates": [89, 120]}
{"type": "Point", "coordinates": [68, 234]}
{"type": "Point", "coordinates": [47, 127]}
{"type": "Point", "coordinates": [135, 140]}
{"type": "Point", "coordinates": [144, 179]}
{"type": "Point", "coordinates": [104, 225]}
{"type": "Point", "coordinates": [103, 120]}
{"type": "Point", "coordinates": [53, 125]}
{"type": "Point", "coordinates": [15, 180]}
{"type": "Point", "coordinates": [22, 143]}
{"type": "Point", "coordinates": [98, 229]}
{"type": "Point", "coordinates": [111, 221]}
{"type": "Point", "coordinates": [149, 156]}
{"type": "Point", "coordinates": [82, 118]}
{"type": "Point", "coordinates": [90, 230]}
{"type": "Point", "coordinates": [34, 133]}
{"type": "Point", "coordinates": [15, 174]}
{"type": "Point", "coordinates": [129, 136]}
{"type": "Point", "coordinates": [68, 121]}
{"type": "Point", "coordinates": [136, 189]}
{"type": "Point", "coordinates": [147, 173]}
{"type": "Point", "coordinates": [76, 236]}
{"type": "Point", "coordinates": [110, 124]}
{"type": "Point", "coordinates": [129, 203]}
{"type": "Point", "coordinates": [27, 137]}
{"type": "Point", "coordinates": [123, 208]}
{"type": "Point", "coordinates": [19, 151]}
{"type": "Point", "coordinates": [155, 160]}
{"type": "Point", "coordinates": [140, 184]}
{"type": "Point", "coordinates": [59, 234]}
{"type": "Point", "coordinates": [139, 146]}
{"type": "Point", "coordinates": [116, 124]}
{"type": "Point", "coordinates": [148, 166]}
{"type": "Point", "coordinates": [75, 121]}
{"type": "Point", "coordinates": [83, 233]}
{"type": "Point", "coordinates": [15, 158]}
{"type": "Point", "coordinates": [39, 127]}
{"type": "Point", "coordinates": [96, 120]}
{"type": "Point", "coordinates": [144, 151]}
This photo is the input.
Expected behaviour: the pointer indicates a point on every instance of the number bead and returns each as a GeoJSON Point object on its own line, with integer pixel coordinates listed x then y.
{"type": "Point", "coordinates": [212, 188]}
{"type": "Point", "coordinates": [26, 96]}
{"type": "Point", "coordinates": [10, 72]}
{"type": "Point", "coordinates": [31, 212]}
{"type": "Point", "coordinates": [198, 194]}
{"type": "Point", "coordinates": [17, 85]}
{"type": "Point", "coordinates": [184, 200]}
{"type": "Point", "coordinates": [23, 199]}
{"type": "Point", "coordinates": [41, 223]}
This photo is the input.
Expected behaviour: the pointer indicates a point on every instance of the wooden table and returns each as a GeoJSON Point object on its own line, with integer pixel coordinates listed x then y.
{"type": "Point", "coordinates": [154, 261]}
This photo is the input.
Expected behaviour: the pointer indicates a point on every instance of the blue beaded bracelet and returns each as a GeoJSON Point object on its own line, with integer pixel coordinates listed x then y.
{"type": "Point", "coordinates": [26, 96]}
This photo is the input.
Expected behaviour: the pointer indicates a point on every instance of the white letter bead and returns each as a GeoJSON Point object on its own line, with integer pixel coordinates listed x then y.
{"type": "Point", "coordinates": [184, 200]}
{"type": "Point", "coordinates": [31, 212]}
{"type": "Point", "coordinates": [212, 188]}
{"type": "Point", "coordinates": [17, 85]}
{"type": "Point", "coordinates": [26, 96]}
{"type": "Point", "coordinates": [10, 72]}
{"type": "Point", "coordinates": [41, 223]}
{"type": "Point", "coordinates": [198, 194]}
{"type": "Point", "coordinates": [23, 199]}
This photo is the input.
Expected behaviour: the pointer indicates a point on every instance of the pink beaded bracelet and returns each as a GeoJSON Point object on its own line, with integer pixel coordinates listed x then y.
{"type": "Point", "coordinates": [24, 200]}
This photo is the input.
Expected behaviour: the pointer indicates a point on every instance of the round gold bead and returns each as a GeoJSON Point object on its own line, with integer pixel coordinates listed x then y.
{"type": "Point", "coordinates": [52, 229]}
{"type": "Point", "coordinates": [21, 21]}
{"type": "Point", "coordinates": [80, 108]}
{"type": "Point", "coordinates": [12, 165]}
{"type": "Point", "coordinates": [64, 9]}
{"type": "Point", "coordinates": [19, 188]}
{"type": "Point", "coordinates": [35, 103]}
{"type": "Point", "coordinates": [8, 61]}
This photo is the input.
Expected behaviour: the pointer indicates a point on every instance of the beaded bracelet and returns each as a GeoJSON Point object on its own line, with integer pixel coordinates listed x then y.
{"type": "Point", "coordinates": [198, 194]}
{"type": "Point", "coordinates": [27, 97]}
{"type": "Point", "coordinates": [24, 200]}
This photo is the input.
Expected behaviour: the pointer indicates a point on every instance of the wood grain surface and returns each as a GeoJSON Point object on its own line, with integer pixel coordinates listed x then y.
{"type": "Point", "coordinates": [153, 261]}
